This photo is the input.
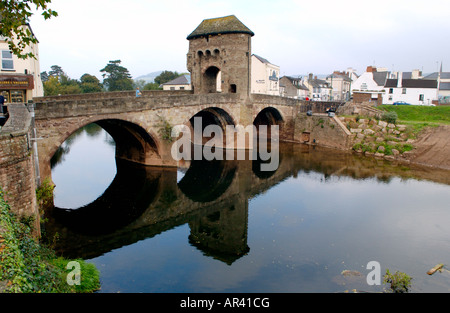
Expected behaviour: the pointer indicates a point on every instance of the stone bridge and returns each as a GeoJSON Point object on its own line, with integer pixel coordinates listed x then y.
{"type": "Point", "coordinates": [135, 123]}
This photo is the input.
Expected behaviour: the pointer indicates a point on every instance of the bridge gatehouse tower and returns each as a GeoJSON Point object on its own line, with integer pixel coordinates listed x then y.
{"type": "Point", "coordinates": [219, 56]}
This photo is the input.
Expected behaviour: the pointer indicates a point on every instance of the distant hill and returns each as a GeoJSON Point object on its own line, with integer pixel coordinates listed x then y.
{"type": "Point", "coordinates": [150, 77]}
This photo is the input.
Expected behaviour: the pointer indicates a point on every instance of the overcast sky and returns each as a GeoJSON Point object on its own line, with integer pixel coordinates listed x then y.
{"type": "Point", "coordinates": [299, 36]}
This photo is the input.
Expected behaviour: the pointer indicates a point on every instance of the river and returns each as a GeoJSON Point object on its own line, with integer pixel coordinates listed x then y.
{"type": "Point", "coordinates": [225, 226]}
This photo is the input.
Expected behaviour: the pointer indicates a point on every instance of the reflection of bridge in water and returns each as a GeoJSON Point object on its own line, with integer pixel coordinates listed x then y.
{"type": "Point", "coordinates": [212, 198]}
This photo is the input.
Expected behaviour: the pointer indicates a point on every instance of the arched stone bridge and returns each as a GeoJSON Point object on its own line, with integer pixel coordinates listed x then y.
{"type": "Point", "coordinates": [135, 122]}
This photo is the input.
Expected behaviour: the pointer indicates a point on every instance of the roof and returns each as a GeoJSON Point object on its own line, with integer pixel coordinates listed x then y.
{"type": "Point", "coordinates": [444, 75]}
{"type": "Point", "coordinates": [412, 83]}
{"type": "Point", "coordinates": [261, 59]}
{"type": "Point", "coordinates": [380, 78]}
{"type": "Point", "coordinates": [296, 82]}
{"type": "Point", "coordinates": [181, 80]}
{"type": "Point", "coordinates": [319, 83]}
{"type": "Point", "coordinates": [221, 25]}
{"type": "Point", "coordinates": [344, 77]}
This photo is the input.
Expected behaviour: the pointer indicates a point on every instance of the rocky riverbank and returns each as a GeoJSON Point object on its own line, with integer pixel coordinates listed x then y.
{"type": "Point", "coordinates": [380, 139]}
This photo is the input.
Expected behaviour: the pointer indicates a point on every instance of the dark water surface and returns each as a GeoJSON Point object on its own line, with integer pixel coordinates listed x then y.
{"type": "Point", "coordinates": [225, 226]}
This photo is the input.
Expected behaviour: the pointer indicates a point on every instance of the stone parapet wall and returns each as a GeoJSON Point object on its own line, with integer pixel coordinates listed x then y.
{"type": "Point", "coordinates": [17, 172]}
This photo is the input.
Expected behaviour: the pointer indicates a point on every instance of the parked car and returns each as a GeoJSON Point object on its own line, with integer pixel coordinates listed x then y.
{"type": "Point", "coordinates": [401, 103]}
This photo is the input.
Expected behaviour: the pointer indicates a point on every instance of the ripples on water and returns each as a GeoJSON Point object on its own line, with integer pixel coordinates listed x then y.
{"type": "Point", "coordinates": [224, 226]}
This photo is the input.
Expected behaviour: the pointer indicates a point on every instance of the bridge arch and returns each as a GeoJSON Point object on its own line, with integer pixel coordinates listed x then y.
{"type": "Point", "coordinates": [133, 142]}
{"type": "Point", "coordinates": [209, 116]}
{"type": "Point", "coordinates": [268, 116]}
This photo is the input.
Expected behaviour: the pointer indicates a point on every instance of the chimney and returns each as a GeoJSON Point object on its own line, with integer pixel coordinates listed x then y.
{"type": "Point", "coordinates": [310, 76]}
{"type": "Point", "coordinates": [399, 79]}
{"type": "Point", "coordinates": [370, 69]}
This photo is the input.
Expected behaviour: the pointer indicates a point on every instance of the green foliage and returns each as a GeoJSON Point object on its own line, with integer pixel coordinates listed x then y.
{"type": "Point", "coordinates": [16, 13]}
{"type": "Point", "coordinates": [89, 274]}
{"type": "Point", "coordinates": [364, 147]}
{"type": "Point", "coordinates": [166, 76]}
{"type": "Point", "coordinates": [390, 117]}
{"type": "Point", "coordinates": [29, 267]}
{"type": "Point", "coordinates": [116, 77]}
{"type": "Point", "coordinates": [151, 86]}
{"type": "Point", "coordinates": [57, 82]}
{"type": "Point", "coordinates": [61, 85]}
{"type": "Point", "coordinates": [165, 129]}
{"type": "Point", "coordinates": [399, 282]}
{"type": "Point", "coordinates": [44, 193]}
{"type": "Point", "coordinates": [90, 83]}
{"type": "Point", "coordinates": [420, 113]}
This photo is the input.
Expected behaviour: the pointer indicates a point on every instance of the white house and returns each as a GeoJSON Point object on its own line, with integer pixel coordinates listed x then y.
{"type": "Point", "coordinates": [444, 85]}
{"type": "Point", "coordinates": [412, 91]}
{"type": "Point", "coordinates": [371, 80]}
{"type": "Point", "coordinates": [20, 79]}
{"type": "Point", "coordinates": [265, 76]}
{"type": "Point", "coordinates": [182, 82]}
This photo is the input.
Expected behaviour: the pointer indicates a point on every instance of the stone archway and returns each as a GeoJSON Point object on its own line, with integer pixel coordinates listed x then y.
{"type": "Point", "coordinates": [211, 80]}
{"type": "Point", "coordinates": [133, 142]}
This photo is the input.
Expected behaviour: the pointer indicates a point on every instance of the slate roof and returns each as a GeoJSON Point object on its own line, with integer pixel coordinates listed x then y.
{"type": "Point", "coordinates": [444, 75]}
{"type": "Point", "coordinates": [380, 78]}
{"type": "Point", "coordinates": [181, 80]}
{"type": "Point", "coordinates": [344, 77]}
{"type": "Point", "coordinates": [221, 25]}
{"type": "Point", "coordinates": [412, 83]}
{"type": "Point", "coordinates": [262, 59]}
{"type": "Point", "coordinates": [296, 82]}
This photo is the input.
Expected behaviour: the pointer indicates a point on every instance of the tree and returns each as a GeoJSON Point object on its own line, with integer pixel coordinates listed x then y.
{"type": "Point", "coordinates": [14, 14]}
{"type": "Point", "coordinates": [116, 77]}
{"type": "Point", "coordinates": [151, 86]}
{"type": "Point", "coordinates": [165, 77]}
{"type": "Point", "coordinates": [59, 83]}
{"type": "Point", "coordinates": [56, 71]}
{"type": "Point", "coordinates": [44, 76]}
{"type": "Point", "coordinates": [90, 83]}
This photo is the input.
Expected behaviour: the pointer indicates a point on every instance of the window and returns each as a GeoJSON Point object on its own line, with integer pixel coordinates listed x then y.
{"type": "Point", "coordinates": [7, 60]}
{"type": "Point", "coordinates": [391, 90]}
{"type": "Point", "coordinates": [421, 97]}
{"type": "Point", "coordinates": [404, 91]}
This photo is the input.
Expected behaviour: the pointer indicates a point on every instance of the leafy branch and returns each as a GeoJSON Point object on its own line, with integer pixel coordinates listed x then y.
{"type": "Point", "coordinates": [14, 14]}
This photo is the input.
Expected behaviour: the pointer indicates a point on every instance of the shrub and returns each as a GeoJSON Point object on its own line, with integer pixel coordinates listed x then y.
{"type": "Point", "coordinates": [390, 117]}
{"type": "Point", "coordinates": [399, 282]}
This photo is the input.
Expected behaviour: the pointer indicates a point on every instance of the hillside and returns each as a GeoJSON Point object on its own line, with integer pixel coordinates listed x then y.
{"type": "Point", "coordinates": [150, 77]}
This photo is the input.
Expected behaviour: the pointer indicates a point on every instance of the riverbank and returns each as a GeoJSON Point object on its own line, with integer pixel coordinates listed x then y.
{"type": "Point", "coordinates": [28, 266]}
{"type": "Point", "coordinates": [416, 135]}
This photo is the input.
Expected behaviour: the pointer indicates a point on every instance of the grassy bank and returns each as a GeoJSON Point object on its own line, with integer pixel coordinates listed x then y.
{"type": "Point", "coordinates": [26, 266]}
{"type": "Point", "coordinates": [417, 114]}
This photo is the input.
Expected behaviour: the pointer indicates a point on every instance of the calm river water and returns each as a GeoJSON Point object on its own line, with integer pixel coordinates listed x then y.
{"type": "Point", "coordinates": [225, 226]}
